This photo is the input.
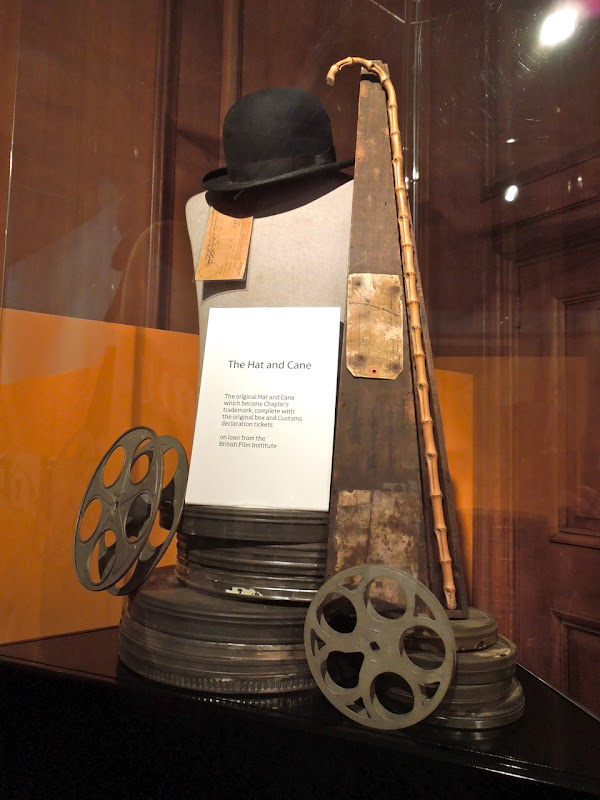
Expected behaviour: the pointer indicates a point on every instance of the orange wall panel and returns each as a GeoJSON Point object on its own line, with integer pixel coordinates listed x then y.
{"type": "Point", "coordinates": [68, 389]}
{"type": "Point", "coordinates": [455, 391]}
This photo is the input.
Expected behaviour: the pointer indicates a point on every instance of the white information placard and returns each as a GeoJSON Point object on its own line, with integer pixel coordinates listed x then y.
{"type": "Point", "coordinates": [266, 409]}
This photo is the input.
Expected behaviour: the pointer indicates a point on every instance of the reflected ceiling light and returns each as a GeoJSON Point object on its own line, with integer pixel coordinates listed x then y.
{"type": "Point", "coordinates": [512, 140]}
{"type": "Point", "coordinates": [511, 193]}
{"type": "Point", "coordinates": [559, 25]}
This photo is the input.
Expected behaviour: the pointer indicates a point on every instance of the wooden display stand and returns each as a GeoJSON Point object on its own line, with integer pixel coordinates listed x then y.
{"type": "Point", "coordinates": [380, 505]}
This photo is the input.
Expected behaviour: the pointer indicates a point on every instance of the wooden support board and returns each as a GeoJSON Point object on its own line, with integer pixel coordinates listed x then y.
{"type": "Point", "coordinates": [380, 506]}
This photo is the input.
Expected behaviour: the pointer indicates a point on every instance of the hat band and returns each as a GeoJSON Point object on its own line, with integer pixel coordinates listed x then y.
{"type": "Point", "coordinates": [272, 167]}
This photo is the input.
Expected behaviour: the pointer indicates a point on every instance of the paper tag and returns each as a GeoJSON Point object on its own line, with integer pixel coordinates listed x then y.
{"type": "Point", "coordinates": [374, 326]}
{"type": "Point", "coordinates": [266, 409]}
{"type": "Point", "coordinates": [225, 248]}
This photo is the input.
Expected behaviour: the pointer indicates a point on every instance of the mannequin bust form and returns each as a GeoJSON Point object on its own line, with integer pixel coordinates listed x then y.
{"type": "Point", "coordinates": [299, 247]}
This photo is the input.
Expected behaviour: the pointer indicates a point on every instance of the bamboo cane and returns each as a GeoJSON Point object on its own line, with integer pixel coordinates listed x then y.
{"type": "Point", "coordinates": [414, 317]}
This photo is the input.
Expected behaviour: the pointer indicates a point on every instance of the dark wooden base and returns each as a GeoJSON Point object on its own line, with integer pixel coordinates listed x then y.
{"type": "Point", "coordinates": [76, 724]}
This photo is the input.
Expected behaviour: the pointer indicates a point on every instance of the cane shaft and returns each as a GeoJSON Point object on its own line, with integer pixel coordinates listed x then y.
{"type": "Point", "coordinates": [414, 319]}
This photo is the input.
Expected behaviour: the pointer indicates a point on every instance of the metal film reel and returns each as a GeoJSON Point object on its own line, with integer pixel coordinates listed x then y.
{"type": "Point", "coordinates": [253, 558]}
{"type": "Point", "coordinates": [354, 637]}
{"type": "Point", "coordinates": [250, 571]}
{"type": "Point", "coordinates": [124, 507]}
{"type": "Point", "coordinates": [478, 667]}
{"type": "Point", "coordinates": [171, 499]}
{"type": "Point", "coordinates": [248, 587]}
{"type": "Point", "coordinates": [477, 632]}
{"type": "Point", "coordinates": [176, 635]}
{"type": "Point", "coordinates": [492, 715]}
{"type": "Point", "coordinates": [269, 526]}
{"type": "Point", "coordinates": [165, 604]}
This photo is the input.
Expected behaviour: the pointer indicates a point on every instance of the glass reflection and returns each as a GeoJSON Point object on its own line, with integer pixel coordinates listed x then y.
{"type": "Point", "coordinates": [559, 26]}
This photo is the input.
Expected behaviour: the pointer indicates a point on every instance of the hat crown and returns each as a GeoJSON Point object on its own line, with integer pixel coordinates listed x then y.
{"type": "Point", "coordinates": [273, 124]}
{"type": "Point", "coordinates": [274, 135]}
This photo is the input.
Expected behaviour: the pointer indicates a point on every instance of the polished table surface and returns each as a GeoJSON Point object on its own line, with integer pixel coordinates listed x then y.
{"type": "Point", "coordinates": [76, 721]}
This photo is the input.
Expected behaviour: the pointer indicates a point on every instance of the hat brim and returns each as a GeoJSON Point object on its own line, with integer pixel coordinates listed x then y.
{"type": "Point", "coordinates": [218, 180]}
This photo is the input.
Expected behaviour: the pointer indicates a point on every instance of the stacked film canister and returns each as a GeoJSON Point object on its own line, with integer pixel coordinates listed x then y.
{"type": "Point", "coordinates": [229, 617]}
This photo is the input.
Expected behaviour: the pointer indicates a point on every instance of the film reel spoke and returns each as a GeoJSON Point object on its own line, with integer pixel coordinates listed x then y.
{"type": "Point", "coordinates": [400, 693]}
{"type": "Point", "coordinates": [115, 488]}
{"type": "Point", "coordinates": [355, 633]}
{"type": "Point", "coordinates": [87, 540]}
{"type": "Point", "coordinates": [106, 557]}
{"type": "Point", "coordinates": [321, 640]}
{"type": "Point", "coordinates": [134, 516]}
{"type": "Point", "coordinates": [362, 707]}
{"type": "Point", "coordinates": [423, 687]}
{"type": "Point", "coordinates": [348, 695]}
{"type": "Point", "coordinates": [368, 700]}
{"type": "Point", "coordinates": [141, 450]}
{"type": "Point", "coordinates": [104, 494]}
{"type": "Point", "coordinates": [378, 711]}
{"type": "Point", "coordinates": [97, 570]}
{"type": "Point", "coordinates": [389, 600]}
{"type": "Point", "coordinates": [353, 588]}
{"type": "Point", "coordinates": [423, 677]}
{"type": "Point", "coordinates": [386, 715]}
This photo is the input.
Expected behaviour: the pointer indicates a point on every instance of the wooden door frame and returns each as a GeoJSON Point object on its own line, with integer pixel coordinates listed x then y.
{"type": "Point", "coordinates": [518, 239]}
{"type": "Point", "coordinates": [10, 25]}
{"type": "Point", "coordinates": [231, 59]}
{"type": "Point", "coordinates": [168, 46]}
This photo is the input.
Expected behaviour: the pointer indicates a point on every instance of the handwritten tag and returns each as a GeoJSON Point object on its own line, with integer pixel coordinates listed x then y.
{"type": "Point", "coordinates": [225, 248]}
{"type": "Point", "coordinates": [374, 326]}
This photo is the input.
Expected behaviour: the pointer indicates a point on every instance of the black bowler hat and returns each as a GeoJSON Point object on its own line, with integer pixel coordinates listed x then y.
{"type": "Point", "coordinates": [271, 136]}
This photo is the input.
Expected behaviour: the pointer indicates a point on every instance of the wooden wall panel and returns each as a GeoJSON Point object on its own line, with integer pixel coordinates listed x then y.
{"type": "Point", "coordinates": [580, 465]}
{"type": "Point", "coordinates": [196, 145]}
{"type": "Point", "coordinates": [556, 463]}
{"type": "Point", "coordinates": [10, 14]}
{"type": "Point", "coordinates": [83, 155]}
{"type": "Point", "coordinates": [583, 681]}
{"type": "Point", "coordinates": [578, 639]}
{"type": "Point", "coordinates": [294, 44]}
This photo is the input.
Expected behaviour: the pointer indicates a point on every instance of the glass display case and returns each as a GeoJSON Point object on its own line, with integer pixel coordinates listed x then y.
{"type": "Point", "coordinates": [111, 113]}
